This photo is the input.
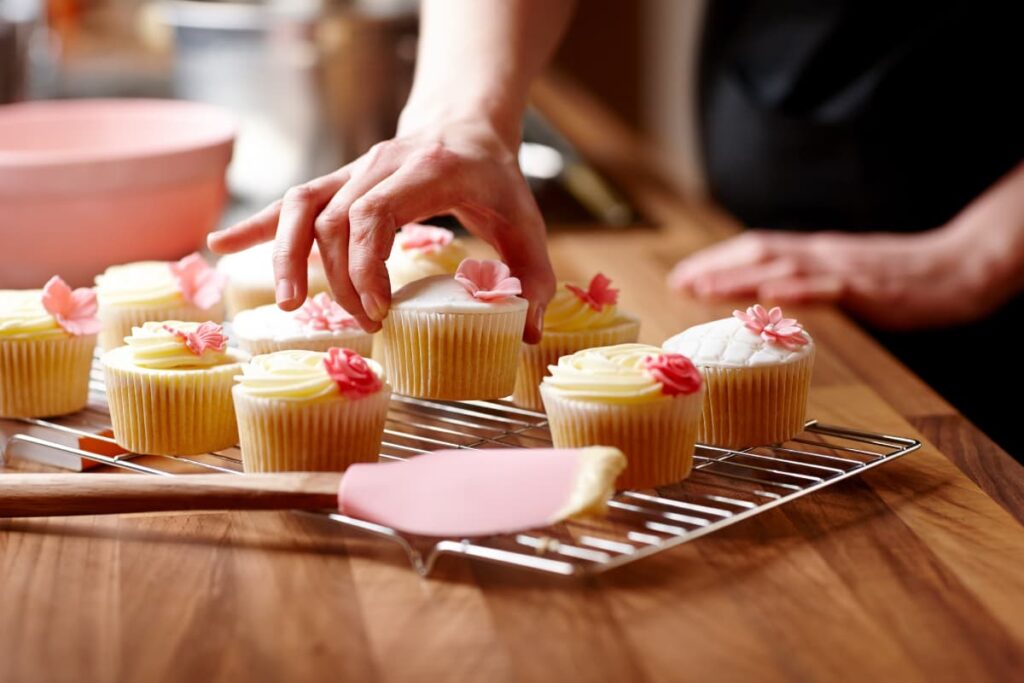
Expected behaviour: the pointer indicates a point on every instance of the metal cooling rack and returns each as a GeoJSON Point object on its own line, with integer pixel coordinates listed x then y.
{"type": "Point", "coordinates": [726, 486]}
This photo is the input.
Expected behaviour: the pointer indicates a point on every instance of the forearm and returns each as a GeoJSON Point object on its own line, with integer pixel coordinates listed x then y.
{"type": "Point", "coordinates": [989, 234]}
{"type": "Point", "coordinates": [477, 59]}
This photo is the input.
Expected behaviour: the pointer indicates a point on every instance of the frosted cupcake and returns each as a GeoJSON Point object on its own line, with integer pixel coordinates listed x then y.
{"type": "Point", "coordinates": [317, 326]}
{"type": "Point", "coordinates": [575, 319]}
{"type": "Point", "coordinates": [757, 365]}
{"type": "Point", "coordinates": [455, 338]}
{"type": "Point", "coordinates": [640, 399]}
{"type": "Point", "coordinates": [135, 293]}
{"type": "Point", "coordinates": [46, 346]}
{"type": "Point", "coordinates": [310, 411]}
{"type": "Point", "coordinates": [169, 388]}
{"type": "Point", "coordinates": [250, 277]}
{"type": "Point", "coordinates": [422, 251]}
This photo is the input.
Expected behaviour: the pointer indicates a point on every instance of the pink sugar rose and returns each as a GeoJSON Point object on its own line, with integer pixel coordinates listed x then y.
{"type": "Point", "coordinates": [350, 371]}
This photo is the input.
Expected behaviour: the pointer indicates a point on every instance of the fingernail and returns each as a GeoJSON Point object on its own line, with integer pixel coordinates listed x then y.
{"type": "Point", "coordinates": [538, 319]}
{"type": "Point", "coordinates": [374, 306]}
{"type": "Point", "coordinates": [285, 292]}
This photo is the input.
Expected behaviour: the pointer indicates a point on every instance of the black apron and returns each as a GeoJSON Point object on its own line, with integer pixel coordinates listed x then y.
{"type": "Point", "coordinates": [866, 116]}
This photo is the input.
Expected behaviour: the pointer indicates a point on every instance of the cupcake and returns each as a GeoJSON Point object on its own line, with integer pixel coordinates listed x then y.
{"type": "Point", "coordinates": [640, 399]}
{"type": "Point", "coordinates": [310, 411]}
{"type": "Point", "coordinates": [317, 326]}
{"type": "Point", "coordinates": [455, 338]}
{"type": "Point", "coordinates": [169, 388]}
{"type": "Point", "coordinates": [757, 365]}
{"type": "Point", "coordinates": [250, 277]}
{"type": "Point", "coordinates": [422, 251]}
{"type": "Point", "coordinates": [47, 340]}
{"type": "Point", "coordinates": [135, 293]}
{"type": "Point", "coordinates": [575, 319]}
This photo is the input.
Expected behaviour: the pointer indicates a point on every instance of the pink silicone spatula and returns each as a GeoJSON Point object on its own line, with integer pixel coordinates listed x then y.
{"type": "Point", "coordinates": [444, 493]}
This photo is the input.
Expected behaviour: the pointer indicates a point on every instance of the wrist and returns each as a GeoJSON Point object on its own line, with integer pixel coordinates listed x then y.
{"type": "Point", "coordinates": [989, 255]}
{"type": "Point", "coordinates": [500, 117]}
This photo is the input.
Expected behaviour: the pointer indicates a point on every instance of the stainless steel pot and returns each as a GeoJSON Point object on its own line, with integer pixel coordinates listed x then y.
{"type": "Point", "coordinates": [313, 86]}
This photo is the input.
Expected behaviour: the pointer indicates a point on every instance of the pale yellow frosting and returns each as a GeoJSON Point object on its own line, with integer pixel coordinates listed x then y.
{"type": "Point", "coordinates": [22, 316]}
{"type": "Point", "coordinates": [408, 265]}
{"type": "Point", "coordinates": [612, 374]}
{"type": "Point", "coordinates": [154, 346]}
{"type": "Point", "coordinates": [568, 313]}
{"type": "Point", "coordinates": [146, 283]}
{"type": "Point", "coordinates": [292, 375]}
{"type": "Point", "coordinates": [595, 482]}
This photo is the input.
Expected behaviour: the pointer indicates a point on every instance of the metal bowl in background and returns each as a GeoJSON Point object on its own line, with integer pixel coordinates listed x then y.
{"type": "Point", "coordinates": [313, 85]}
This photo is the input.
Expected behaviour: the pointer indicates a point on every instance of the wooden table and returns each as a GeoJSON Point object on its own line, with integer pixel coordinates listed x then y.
{"type": "Point", "coordinates": [913, 572]}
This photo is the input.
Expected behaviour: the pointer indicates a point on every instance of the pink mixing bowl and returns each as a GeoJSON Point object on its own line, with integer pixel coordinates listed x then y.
{"type": "Point", "coordinates": [89, 183]}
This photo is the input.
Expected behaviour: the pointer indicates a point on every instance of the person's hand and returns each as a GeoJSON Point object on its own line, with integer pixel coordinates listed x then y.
{"type": "Point", "coordinates": [895, 281]}
{"type": "Point", "coordinates": [465, 169]}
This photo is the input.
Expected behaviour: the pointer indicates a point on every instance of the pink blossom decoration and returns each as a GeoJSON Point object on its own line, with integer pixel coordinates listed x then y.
{"type": "Point", "coordinates": [772, 327]}
{"type": "Point", "coordinates": [74, 311]}
{"type": "Point", "coordinates": [487, 280]}
{"type": "Point", "coordinates": [209, 336]}
{"type": "Point", "coordinates": [598, 294]}
{"type": "Point", "coordinates": [323, 314]}
{"type": "Point", "coordinates": [674, 371]}
{"type": "Point", "coordinates": [425, 238]}
{"type": "Point", "coordinates": [350, 371]}
{"type": "Point", "coordinates": [200, 284]}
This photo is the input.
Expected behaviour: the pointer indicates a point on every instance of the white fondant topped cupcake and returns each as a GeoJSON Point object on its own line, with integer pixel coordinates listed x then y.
{"type": "Point", "coordinates": [757, 366]}
{"type": "Point", "coordinates": [752, 338]}
{"type": "Point", "coordinates": [317, 326]}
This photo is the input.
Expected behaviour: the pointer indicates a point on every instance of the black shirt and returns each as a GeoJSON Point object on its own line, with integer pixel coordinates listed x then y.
{"type": "Point", "coordinates": [859, 115]}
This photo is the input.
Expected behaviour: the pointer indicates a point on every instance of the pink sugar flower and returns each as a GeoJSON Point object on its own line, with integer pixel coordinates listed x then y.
{"type": "Point", "coordinates": [772, 327]}
{"type": "Point", "coordinates": [209, 336]}
{"type": "Point", "coordinates": [487, 280]}
{"type": "Point", "coordinates": [74, 311]}
{"type": "Point", "coordinates": [425, 238]}
{"type": "Point", "coordinates": [323, 314]}
{"type": "Point", "coordinates": [598, 294]}
{"type": "Point", "coordinates": [200, 284]}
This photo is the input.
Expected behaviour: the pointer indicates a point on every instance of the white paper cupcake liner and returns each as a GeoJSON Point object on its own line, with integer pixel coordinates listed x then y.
{"type": "Point", "coordinates": [170, 412]}
{"type": "Point", "coordinates": [534, 359]}
{"type": "Point", "coordinates": [44, 377]}
{"type": "Point", "coordinates": [360, 342]}
{"type": "Point", "coordinates": [656, 436]}
{"type": "Point", "coordinates": [118, 321]}
{"type": "Point", "coordinates": [451, 356]}
{"type": "Point", "coordinates": [279, 435]}
{"type": "Point", "coordinates": [754, 406]}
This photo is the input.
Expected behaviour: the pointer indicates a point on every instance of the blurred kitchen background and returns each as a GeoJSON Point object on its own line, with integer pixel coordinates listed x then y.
{"type": "Point", "coordinates": [314, 83]}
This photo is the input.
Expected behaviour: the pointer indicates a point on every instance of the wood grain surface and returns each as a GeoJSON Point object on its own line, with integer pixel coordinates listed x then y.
{"type": "Point", "coordinates": [910, 573]}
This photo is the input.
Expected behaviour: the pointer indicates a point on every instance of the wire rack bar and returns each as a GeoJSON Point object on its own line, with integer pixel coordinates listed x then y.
{"type": "Point", "coordinates": [726, 486]}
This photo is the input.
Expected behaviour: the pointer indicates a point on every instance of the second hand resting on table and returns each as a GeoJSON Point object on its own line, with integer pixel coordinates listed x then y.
{"type": "Point", "coordinates": [456, 153]}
